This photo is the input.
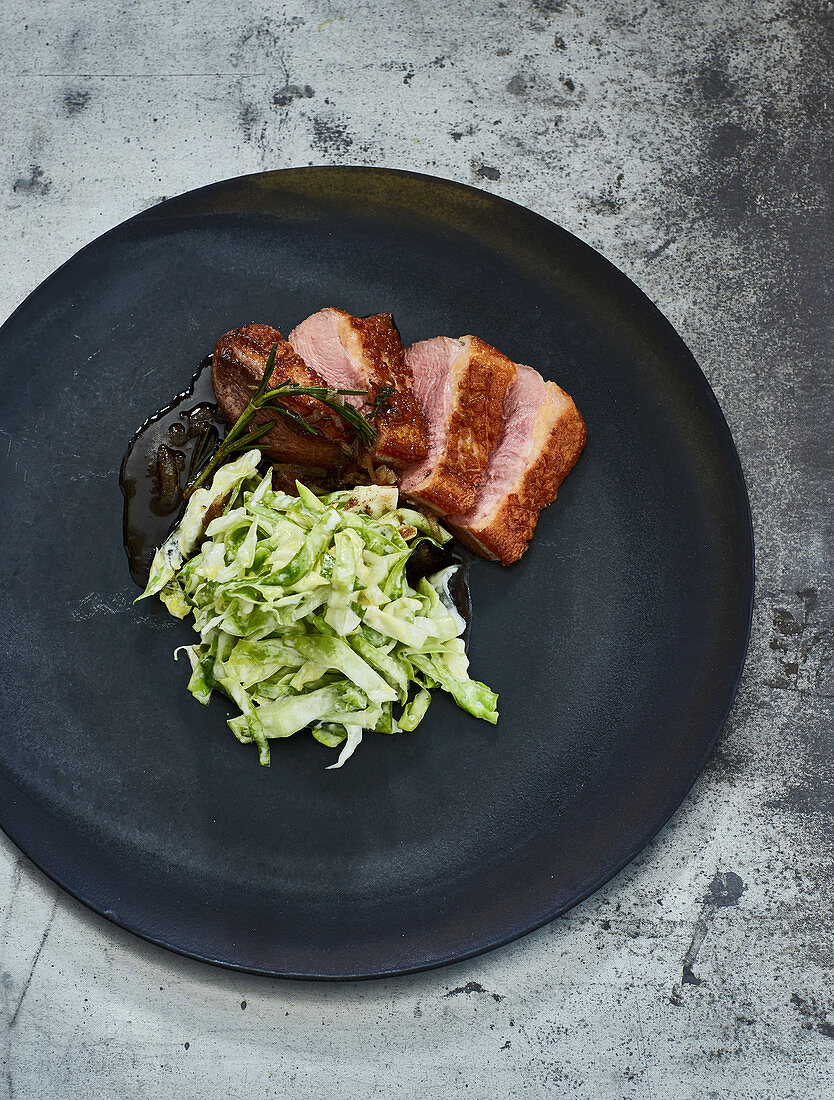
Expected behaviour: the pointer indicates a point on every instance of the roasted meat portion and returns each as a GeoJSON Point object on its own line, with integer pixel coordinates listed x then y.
{"type": "Point", "coordinates": [480, 440]}
{"type": "Point", "coordinates": [365, 353]}
{"type": "Point", "coordinates": [542, 439]}
{"type": "Point", "coordinates": [237, 367]}
{"type": "Point", "coordinates": [461, 386]}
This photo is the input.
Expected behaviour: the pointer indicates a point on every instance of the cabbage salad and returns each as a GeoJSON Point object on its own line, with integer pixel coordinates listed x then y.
{"type": "Point", "coordinates": [304, 612]}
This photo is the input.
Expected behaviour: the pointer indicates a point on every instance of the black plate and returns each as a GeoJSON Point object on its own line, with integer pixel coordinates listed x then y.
{"type": "Point", "coordinates": [616, 644]}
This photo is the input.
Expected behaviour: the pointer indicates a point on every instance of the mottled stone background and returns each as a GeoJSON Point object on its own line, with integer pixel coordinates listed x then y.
{"type": "Point", "coordinates": [691, 143]}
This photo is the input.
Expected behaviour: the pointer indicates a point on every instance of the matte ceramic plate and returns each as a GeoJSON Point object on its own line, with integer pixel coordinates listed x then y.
{"type": "Point", "coordinates": [615, 645]}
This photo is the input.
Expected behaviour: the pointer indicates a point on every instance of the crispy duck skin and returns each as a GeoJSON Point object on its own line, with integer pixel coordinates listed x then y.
{"type": "Point", "coordinates": [237, 367]}
{"type": "Point", "coordinates": [542, 439]}
{"type": "Point", "coordinates": [461, 386]}
{"type": "Point", "coordinates": [367, 353]}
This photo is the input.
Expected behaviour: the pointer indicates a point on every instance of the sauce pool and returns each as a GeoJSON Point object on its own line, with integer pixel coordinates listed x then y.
{"type": "Point", "coordinates": [157, 466]}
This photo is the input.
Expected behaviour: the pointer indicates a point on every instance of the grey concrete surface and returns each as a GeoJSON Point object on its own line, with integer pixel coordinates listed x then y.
{"type": "Point", "coordinates": [689, 142]}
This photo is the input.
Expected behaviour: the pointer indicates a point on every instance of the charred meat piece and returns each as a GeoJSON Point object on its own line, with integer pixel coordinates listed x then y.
{"type": "Point", "coordinates": [461, 386]}
{"type": "Point", "coordinates": [542, 439]}
{"type": "Point", "coordinates": [366, 353]}
{"type": "Point", "coordinates": [237, 367]}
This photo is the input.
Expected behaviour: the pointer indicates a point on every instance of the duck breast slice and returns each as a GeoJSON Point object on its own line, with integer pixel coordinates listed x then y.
{"type": "Point", "coordinates": [542, 439]}
{"type": "Point", "coordinates": [461, 386]}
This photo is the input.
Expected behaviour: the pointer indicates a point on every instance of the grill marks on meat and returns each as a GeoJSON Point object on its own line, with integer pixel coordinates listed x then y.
{"type": "Point", "coordinates": [542, 439]}
{"type": "Point", "coordinates": [367, 353]}
{"type": "Point", "coordinates": [237, 367]}
{"type": "Point", "coordinates": [461, 386]}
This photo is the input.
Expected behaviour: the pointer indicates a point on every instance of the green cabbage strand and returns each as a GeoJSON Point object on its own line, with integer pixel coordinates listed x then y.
{"type": "Point", "coordinates": [305, 614]}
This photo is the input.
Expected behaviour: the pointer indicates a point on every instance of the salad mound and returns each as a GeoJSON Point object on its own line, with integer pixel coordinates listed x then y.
{"type": "Point", "coordinates": [305, 613]}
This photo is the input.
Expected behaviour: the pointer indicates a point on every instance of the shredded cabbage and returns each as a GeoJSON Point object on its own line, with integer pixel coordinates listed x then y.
{"type": "Point", "coordinates": [305, 614]}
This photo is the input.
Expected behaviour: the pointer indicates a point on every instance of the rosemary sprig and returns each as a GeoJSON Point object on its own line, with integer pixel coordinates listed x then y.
{"type": "Point", "coordinates": [241, 438]}
{"type": "Point", "coordinates": [328, 396]}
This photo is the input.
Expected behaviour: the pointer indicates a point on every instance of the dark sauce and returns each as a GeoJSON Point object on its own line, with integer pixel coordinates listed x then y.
{"type": "Point", "coordinates": [428, 559]}
{"type": "Point", "coordinates": [158, 464]}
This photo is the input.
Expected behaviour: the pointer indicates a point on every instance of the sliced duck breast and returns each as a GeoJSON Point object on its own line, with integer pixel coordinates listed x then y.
{"type": "Point", "coordinates": [366, 353]}
{"type": "Point", "coordinates": [461, 386]}
{"type": "Point", "coordinates": [237, 367]}
{"type": "Point", "coordinates": [542, 439]}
